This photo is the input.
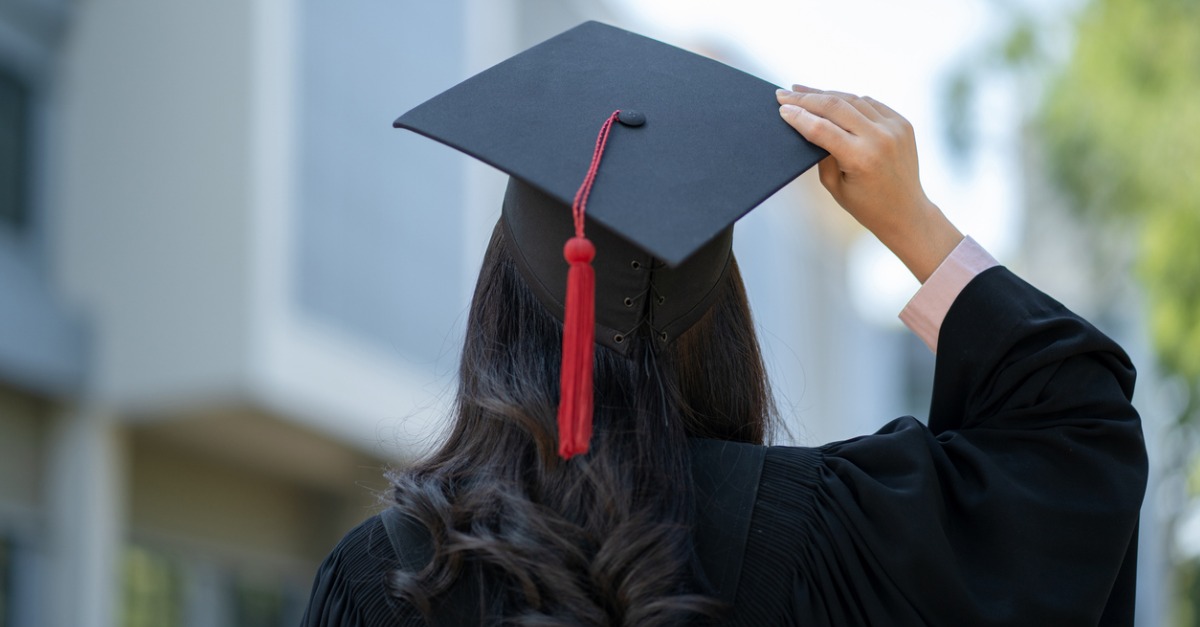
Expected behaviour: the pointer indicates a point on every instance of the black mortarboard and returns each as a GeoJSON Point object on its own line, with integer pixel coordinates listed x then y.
{"type": "Point", "coordinates": [698, 146]}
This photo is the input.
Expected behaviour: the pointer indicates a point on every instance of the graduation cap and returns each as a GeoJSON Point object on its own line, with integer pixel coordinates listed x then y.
{"type": "Point", "coordinates": [651, 150]}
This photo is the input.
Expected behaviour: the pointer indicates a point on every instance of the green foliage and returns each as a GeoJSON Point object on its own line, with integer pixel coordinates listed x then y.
{"type": "Point", "coordinates": [1021, 45]}
{"type": "Point", "coordinates": [1121, 123]}
{"type": "Point", "coordinates": [153, 587]}
{"type": "Point", "coordinates": [1187, 591]}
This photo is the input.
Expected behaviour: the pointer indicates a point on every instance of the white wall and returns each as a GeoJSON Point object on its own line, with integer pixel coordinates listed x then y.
{"type": "Point", "coordinates": [152, 225]}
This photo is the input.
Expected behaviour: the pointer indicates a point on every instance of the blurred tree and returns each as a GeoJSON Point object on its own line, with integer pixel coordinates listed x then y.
{"type": "Point", "coordinates": [1118, 116]}
{"type": "Point", "coordinates": [1121, 124]}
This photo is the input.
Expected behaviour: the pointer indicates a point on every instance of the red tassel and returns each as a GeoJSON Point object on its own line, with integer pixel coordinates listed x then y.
{"type": "Point", "coordinates": [575, 404]}
{"type": "Point", "coordinates": [579, 321]}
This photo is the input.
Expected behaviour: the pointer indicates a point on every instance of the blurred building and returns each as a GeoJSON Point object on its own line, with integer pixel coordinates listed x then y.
{"type": "Point", "coordinates": [231, 296]}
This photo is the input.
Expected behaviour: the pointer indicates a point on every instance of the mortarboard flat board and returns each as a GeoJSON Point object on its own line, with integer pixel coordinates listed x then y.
{"type": "Point", "coordinates": [711, 148]}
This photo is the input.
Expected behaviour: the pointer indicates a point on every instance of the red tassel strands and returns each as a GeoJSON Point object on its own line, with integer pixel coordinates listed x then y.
{"type": "Point", "coordinates": [579, 321]}
{"type": "Point", "coordinates": [575, 403]}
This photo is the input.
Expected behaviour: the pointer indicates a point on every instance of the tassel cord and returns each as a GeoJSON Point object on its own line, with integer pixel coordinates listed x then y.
{"type": "Point", "coordinates": [575, 407]}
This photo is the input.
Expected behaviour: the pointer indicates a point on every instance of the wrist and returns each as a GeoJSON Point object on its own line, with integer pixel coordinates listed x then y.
{"type": "Point", "coordinates": [924, 241]}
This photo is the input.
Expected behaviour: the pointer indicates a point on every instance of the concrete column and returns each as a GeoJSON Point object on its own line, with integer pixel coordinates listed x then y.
{"type": "Point", "coordinates": [86, 479]}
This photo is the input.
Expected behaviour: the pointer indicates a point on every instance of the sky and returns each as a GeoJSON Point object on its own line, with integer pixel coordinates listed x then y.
{"type": "Point", "coordinates": [897, 52]}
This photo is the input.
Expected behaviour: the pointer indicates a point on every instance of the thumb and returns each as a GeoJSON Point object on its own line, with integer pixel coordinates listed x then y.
{"type": "Point", "coordinates": [830, 173]}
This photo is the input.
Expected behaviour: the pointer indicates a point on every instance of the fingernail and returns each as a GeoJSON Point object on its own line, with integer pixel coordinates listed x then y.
{"type": "Point", "coordinates": [790, 110]}
{"type": "Point", "coordinates": [783, 92]}
{"type": "Point", "coordinates": [798, 87]}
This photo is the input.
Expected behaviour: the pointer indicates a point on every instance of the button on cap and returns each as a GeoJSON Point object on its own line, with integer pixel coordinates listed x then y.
{"type": "Point", "coordinates": [629, 117]}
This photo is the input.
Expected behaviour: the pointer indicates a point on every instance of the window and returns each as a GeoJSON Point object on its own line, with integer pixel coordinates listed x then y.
{"type": "Point", "coordinates": [14, 149]}
{"type": "Point", "coordinates": [6, 569]}
{"type": "Point", "coordinates": [153, 594]}
{"type": "Point", "coordinates": [165, 587]}
{"type": "Point", "coordinates": [260, 602]}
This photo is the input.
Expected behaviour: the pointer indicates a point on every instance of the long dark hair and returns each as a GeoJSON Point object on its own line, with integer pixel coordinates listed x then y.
{"type": "Point", "coordinates": [602, 539]}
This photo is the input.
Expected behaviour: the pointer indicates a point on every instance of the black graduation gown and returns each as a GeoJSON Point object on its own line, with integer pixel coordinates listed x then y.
{"type": "Point", "coordinates": [1016, 505]}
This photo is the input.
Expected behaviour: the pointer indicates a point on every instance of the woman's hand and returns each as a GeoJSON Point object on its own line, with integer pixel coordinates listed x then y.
{"type": "Point", "coordinates": [872, 172]}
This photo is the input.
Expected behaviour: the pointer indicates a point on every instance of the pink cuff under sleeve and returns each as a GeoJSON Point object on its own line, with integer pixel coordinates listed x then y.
{"type": "Point", "coordinates": [923, 314]}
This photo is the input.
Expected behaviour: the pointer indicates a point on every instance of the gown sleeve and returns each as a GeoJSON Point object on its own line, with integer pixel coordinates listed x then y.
{"type": "Point", "coordinates": [1017, 505]}
{"type": "Point", "coordinates": [350, 588]}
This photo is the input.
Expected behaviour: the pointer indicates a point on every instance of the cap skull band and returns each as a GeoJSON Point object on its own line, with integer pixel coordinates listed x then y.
{"type": "Point", "coordinates": [698, 145]}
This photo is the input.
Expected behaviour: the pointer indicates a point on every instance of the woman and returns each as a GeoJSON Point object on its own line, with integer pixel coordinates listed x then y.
{"type": "Point", "coordinates": [1017, 504]}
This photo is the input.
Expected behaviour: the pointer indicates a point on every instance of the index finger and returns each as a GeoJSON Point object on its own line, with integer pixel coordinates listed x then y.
{"type": "Point", "coordinates": [883, 109]}
{"type": "Point", "coordinates": [832, 107]}
{"type": "Point", "coordinates": [818, 130]}
{"type": "Point", "coordinates": [864, 104]}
